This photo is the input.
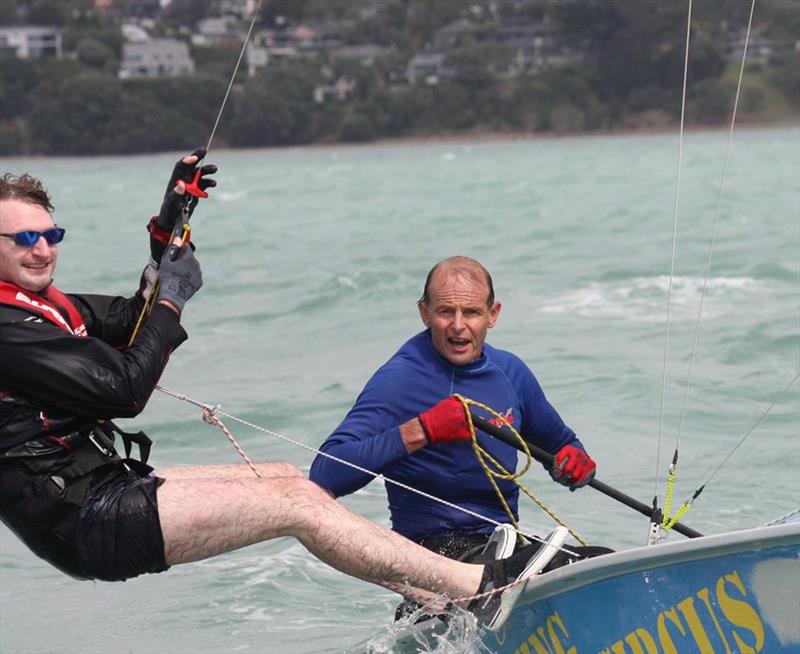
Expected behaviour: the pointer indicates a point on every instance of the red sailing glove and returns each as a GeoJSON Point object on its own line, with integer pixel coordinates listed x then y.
{"type": "Point", "coordinates": [445, 422]}
{"type": "Point", "coordinates": [572, 467]}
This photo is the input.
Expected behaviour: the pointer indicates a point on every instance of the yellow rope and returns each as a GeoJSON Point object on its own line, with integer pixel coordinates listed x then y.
{"type": "Point", "coordinates": [668, 522]}
{"type": "Point", "coordinates": [151, 300]}
{"type": "Point", "coordinates": [668, 495]}
{"type": "Point", "coordinates": [678, 515]}
{"type": "Point", "coordinates": [146, 309]}
{"type": "Point", "coordinates": [499, 471]}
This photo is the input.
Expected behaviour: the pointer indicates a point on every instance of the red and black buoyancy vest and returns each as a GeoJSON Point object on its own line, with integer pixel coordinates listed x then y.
{"type": "Point", "coordinates": [55, 307]}
{"type": "Point", "coordinates": [51, 304]}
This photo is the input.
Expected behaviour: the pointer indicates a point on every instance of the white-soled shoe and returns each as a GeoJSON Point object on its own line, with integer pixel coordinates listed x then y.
{"type": "Point", "coordinates": [499, 546]}
{"type": "Point", "coordinates": [493, 611]}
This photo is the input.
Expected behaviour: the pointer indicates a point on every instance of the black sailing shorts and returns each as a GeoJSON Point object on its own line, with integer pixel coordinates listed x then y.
{"type": "Point", "coordinates": [91, 517]}
{"type": "Point", "coordinates": [118, 532]}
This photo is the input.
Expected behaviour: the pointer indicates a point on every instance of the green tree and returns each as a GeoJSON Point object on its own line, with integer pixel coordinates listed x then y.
{"type": "Point", "coordinates": [564, 118]}
{"type": "Point", "coordinates": [186, 107]}
{"type": "Point", "coordinates": [78, 117]}
{"type": "Point", "coordinates": [357, 127]}
{"type": "Point", "coordinates": [475, 64]}
{"type": "Point", "coordinates": [17, 78]}
{"type": "Point", "coordinates": [49, 12]}
{"type": "Point", "coordinates": [275, 108]}
{"type": "Point", "coordinates": [711, 101]}
{"type": "Point", "coordinates": [95, 54]}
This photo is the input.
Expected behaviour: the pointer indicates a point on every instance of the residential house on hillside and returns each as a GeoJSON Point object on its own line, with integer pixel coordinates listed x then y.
{"type": "Point", "coordinates": [242, 9]}
{"type": "Point", "coordinates": [31, 41]}
{"type": "Point", "coordinates": [315, 37]}
{"type": "Point", "coordinates": [134, 33]}
{"type": "Point", "coordinates": [156, 58]}
{"type": "Point", "coordinates": [216, 31]}
{"type": "Point", "coordinates": [534, 46]}
{"type": "Point", "coordinates": [365, 53]}
{"type": "Point", "coordinates": [760, 49]}
{"type": "Point", "coordinates": [453, 34]}
{"type": "Point", "coordinates": [427, 68]}
{"type": "Point", "coordinates": [304, 40]}
{"type": "Point", "coordinates": [339, 90]}
{"type": "Point", "coordinates": [133, 9]}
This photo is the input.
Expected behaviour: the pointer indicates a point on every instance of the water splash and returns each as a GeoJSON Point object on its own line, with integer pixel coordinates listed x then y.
{"type": "Point", "coordinates": [454, 632]}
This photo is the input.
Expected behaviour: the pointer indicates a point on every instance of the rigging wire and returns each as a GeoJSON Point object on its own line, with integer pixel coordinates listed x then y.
{"type": "Point", "coordinates": [751, 430]}
{"type": "Point", "coordinates": [693, 350]}
{"type": "Point", "coordinates": [672, 257]}
{"type": "Point", "coordinates": [191, 195]}
{"type": "Point", "coordinates": [233, 76]}
{"type": "Point", "coordinates": [667, 520]}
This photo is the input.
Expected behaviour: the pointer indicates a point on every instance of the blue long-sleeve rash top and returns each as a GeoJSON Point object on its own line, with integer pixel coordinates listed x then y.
{"type": "Point", "coordinates": [413, 380]}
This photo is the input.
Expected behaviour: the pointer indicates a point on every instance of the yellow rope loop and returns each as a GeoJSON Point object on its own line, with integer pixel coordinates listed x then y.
{"type": "Point", "coordinates": [668, 497]}
{"type": "Point", "coordinates": [499, 471]}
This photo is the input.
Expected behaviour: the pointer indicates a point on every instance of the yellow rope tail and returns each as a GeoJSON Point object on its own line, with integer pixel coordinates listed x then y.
{"type": "Point", "coordinates": [678, 515]}
{"type": "Point", "coordinates": [499, 471]}
{"type": "Point", "coordinates": [668, 522]}
{"type": "Point", "coordinates": [148, 305]}
{"type": "Point", "coordinates": [146, 309]}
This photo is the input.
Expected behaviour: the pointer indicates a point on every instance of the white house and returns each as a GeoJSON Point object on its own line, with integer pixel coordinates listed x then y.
{"type": "Point", "coordinates": [156, 58]}
{"type": "Point", "coordinates": [31, 41]}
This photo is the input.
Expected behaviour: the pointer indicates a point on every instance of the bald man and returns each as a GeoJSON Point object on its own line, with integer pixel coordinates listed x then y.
{"type": "Point", "coordinates": [392, 429]}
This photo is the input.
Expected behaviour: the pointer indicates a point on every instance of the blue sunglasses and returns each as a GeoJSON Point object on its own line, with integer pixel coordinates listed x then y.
{"type": "Point", "coordinates": [27, 238]}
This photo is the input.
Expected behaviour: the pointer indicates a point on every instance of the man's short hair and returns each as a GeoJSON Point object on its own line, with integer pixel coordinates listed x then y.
{"type": "Point", "coordinates": [466, 266]}
{"type": "Point", "coordinates": [25, 188]}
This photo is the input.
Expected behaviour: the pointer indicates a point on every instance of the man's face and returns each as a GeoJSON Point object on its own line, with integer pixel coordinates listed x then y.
{"type": "Point", "coordinates": [30, 268]}
{"type": "Point", "coordinates": [458, 316]}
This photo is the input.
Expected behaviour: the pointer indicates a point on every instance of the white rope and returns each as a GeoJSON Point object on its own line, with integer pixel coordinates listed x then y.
{"type": "Point", "coordinates": [693, 349]}
{"type": "Point", "coordinates": [672, 257]}
{"type": "Point", "coordinates": [215, 410]}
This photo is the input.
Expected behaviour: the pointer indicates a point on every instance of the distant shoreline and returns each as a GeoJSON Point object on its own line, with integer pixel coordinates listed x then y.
{"type": "Point", "coordinates": [454, 138]}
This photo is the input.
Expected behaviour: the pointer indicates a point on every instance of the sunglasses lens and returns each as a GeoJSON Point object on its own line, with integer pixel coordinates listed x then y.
{"type": "Point", "coordinates": [29, 238]}
{"type": "Point", "coordinates": [53, 236]}
{"type": "Point", "coordinates": [26, 238]}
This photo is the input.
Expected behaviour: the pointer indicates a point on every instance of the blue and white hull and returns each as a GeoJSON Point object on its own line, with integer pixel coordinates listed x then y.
{"type": "Point", "coordinates": [737, 592]}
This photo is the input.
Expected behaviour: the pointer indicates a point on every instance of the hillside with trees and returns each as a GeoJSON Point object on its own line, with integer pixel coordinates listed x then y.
{"type": "Point", "coordinates": [358, 70]}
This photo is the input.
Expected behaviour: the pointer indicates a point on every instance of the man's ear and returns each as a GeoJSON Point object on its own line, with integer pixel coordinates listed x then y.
{"type": "Point", "coordinates": [423, 313]}
{"type": "Point", "coordinates": [494, 314]}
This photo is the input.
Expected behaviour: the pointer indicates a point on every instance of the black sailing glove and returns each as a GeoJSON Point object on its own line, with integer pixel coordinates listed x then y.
{"type": "Point", "coordinates": [178, 280]}
{"type": "Point", "coordinates": [172, 205]}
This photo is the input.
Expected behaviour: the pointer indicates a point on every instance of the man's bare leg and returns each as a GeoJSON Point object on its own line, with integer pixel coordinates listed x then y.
{"type": "Point", "coordinates": [203, 517]}
{"type": "Point", "coordinates": [267, 469]}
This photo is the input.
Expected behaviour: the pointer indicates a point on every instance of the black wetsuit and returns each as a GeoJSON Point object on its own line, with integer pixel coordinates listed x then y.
{"type": "Point", "coordinates": [63, 489]}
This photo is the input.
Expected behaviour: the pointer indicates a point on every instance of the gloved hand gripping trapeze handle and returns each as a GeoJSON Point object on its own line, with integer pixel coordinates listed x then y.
{"type": "Point", "coordinates": [181, 231]}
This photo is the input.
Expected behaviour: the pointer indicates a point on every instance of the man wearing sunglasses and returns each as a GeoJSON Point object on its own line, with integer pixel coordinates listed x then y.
{"type": "Point", "coordinates": [67, 368]}
{"type": "Point", "coordinates": [65, 371]}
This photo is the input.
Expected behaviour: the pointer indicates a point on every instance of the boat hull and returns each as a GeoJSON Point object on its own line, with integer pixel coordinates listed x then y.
{"type": "Point", "coordinates": [735, 592]}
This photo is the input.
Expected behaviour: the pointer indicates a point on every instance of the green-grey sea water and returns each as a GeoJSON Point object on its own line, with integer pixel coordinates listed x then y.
{"type": "Point", "coordinates": [313, 259]}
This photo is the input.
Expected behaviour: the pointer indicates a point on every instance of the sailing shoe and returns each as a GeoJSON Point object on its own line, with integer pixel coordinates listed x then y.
{"type": "Point", "coordinates": [493, 611]}
{"type": "Point", "coordinates": [499, 546]}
